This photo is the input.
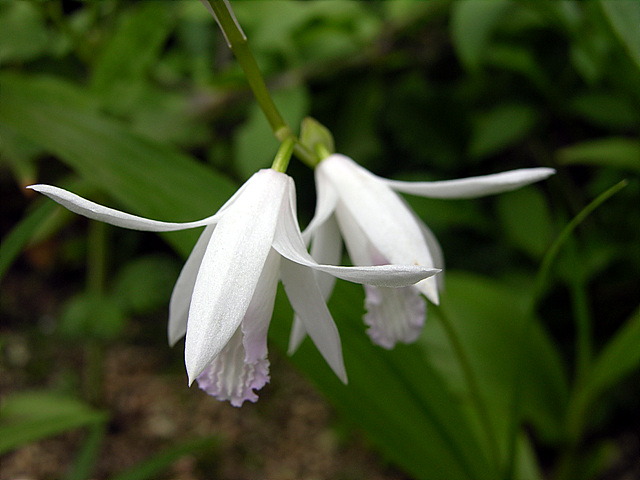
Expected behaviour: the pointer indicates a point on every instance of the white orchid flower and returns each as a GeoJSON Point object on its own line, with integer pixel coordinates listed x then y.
{"type": "Point", "coordinates": [223, 299]}
{"type": "Point", "coordinates": [379, 228]}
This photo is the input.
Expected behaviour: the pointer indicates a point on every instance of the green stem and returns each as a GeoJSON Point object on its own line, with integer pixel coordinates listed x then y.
{"type": "Point", "coordinates": [472, 386]}
{"type": "Point", "coordinates": [96, 277]}
{"type": "Point", "coordinates": [281, 162]}
{"type": "Point", "coordinates": [538, 289]}
{"type": "Point", "coordinates": [238, 44]}
{"type": "Point", "coordinates": [583, 318]}
{"type": "Point", "coordinates": [305, 155]}
{"type": "Point", "coordinates": [322, 151]}
{"type": "Point", "coordinates": [553, 251]}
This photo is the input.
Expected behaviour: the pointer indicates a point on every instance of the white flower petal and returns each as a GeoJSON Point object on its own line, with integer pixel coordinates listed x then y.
{"type": "Point", "coordinates": [242, 365]}
{"type": "Point", "coordinates": [306, 299]}
{"type": "Point", "coordinates": [231, 267]}
{"type": "Point", "coordinates": [255, 324]}
{"type": "Point", "coordinates": [386, 222]}
{"type": "Point", "coordinates": [394, 315]}
{"type": "Point", "coordinates": [288, 242]}
{"type": "Point", "coordinates": [181, 295]}
{"type": "Point", "coordinates": [326, 247]}
{"type": "Point", "coordinates": [472, 187]}
{"type": "Point", "coordinates": [229, 377]}
{"type": "Point", "coordinates": [298, 334]}
{"type": "Point", "coordinates": [361, 250]}
{"type": "Point", "coordinates": [325, 204]}
{"type": "Point", "coordinates": [433, 284]}
{"type": "Point", "coordinates": [92, 210]}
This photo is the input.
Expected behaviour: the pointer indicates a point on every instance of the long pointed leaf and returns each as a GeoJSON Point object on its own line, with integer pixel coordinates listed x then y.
{"type": "Point", "coordinates": [147, 178]}
{"type": "Point", "coordinates": [400, 401]}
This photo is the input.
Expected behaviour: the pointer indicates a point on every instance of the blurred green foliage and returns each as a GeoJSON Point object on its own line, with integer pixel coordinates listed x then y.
{"type": "Point", "coordinates": [141, 103]}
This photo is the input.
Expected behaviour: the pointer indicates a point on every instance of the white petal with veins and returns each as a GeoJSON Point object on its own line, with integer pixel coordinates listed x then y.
{"type": "Point", "coordinates": [92, 210]}
{"type": "Point", "coordinates": [326, 248]}
{"type": "Point", "coordinates": [472, 187]}
{"type": "Point", "coordinates": [383, 217]}
{"type": "Point", "coordinates": [182, 291]}
{"type": "Point", "coordinates": [288, 242]}
{"type": "Point", "coordinates": [306, 299]}
{"type": "Point", "coordinates": [231, 267]}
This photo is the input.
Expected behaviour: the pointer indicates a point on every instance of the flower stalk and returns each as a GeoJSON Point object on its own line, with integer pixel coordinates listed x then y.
{"type": "Point", "coordinates": [237, 42]}
{"type": "Point", "coordinates": [281, 162]}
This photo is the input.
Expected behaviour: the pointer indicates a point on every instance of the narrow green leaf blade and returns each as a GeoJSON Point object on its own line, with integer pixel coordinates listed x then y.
{"type": "Point", "coordinates": [488, 315]}
{"type": "Point", "coordinates": [472, 23]}
{"type": "Point", "coordinates": [130, 52]}
{"type": "Point", "coordinates": [160, 462]}
{"type": "Point", "coordinates": [397, 397]}
{"type": "Point", "coordinates": [147, 178]}
{"type": "Point", "coordinates": [617, 152]}
{"type": "Point", "coordinates": [29, 417]}
{"type": "Point", "coordinates": [624, 17]}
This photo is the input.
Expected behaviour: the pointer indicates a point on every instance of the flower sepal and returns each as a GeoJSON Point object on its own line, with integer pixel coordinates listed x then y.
{"type": "Point", "coordinates": [316, 137]}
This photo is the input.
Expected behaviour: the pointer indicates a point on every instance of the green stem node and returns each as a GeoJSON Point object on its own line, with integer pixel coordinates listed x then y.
{"type": "Point", "coordinates": [281, 162]}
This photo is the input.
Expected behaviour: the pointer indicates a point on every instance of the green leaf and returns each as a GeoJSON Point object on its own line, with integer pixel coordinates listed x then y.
{"type": "Point", "coordinates": [519, 59]}
{"type": "Point", "coordinates": [606, 109]}
{"type": "Point", "coordinates": [19, 154]}
{"type": "Point", "coordinates": [526, 220]}
{"type": "Point", "coordinates": [13, 243]}
{"type": "Point", "coordinates": [624, 17]}
{"type": "Point", "coordinates": [397, 397]}
{"type": "Point", "coordinates": [488, 316]}
{"type": "Point", "coordinates": [616, 152]}
{"type": "Point", "coordinates": [160, 462]}
{"type": "Point", "coordinates": [118, 73]}
{"type": "Point", "coordinates": [32, 416]}
{"type": "Point", "coordinates": [472, 23]}
{"type": "Point", "coordinates": [23, 33]}
{"type": "Point", "coordinates": [145, 284]}
{"type": "Point", "coordinates": [618, 358]}
{"type": "Point", "coordinates": [90, 315]}
{"type": "Point", "coordinates": [45, 218]}
{"type": "Point", "coordinates": [255, 145]}
{"type": "Point", "coordinates": [89, 453]}
{"type": "Point", "coordinates": [149, 179]}
{"type": "Point", "coordinates": [500, 128]}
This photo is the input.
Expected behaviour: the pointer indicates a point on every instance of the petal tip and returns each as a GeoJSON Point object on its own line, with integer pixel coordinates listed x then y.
{"type": "Point", "coordinates": [38, 187]}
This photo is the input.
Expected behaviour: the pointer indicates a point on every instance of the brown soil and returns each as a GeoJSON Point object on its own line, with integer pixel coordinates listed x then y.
{"type": "Point", "coordinates": [290, 433]}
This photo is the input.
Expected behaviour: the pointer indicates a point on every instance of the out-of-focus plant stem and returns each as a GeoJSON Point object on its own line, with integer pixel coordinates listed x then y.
{"type": "Point", "coordinates": [573, 432]}
{"type": "Point", "coordinates": [96, 275]}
